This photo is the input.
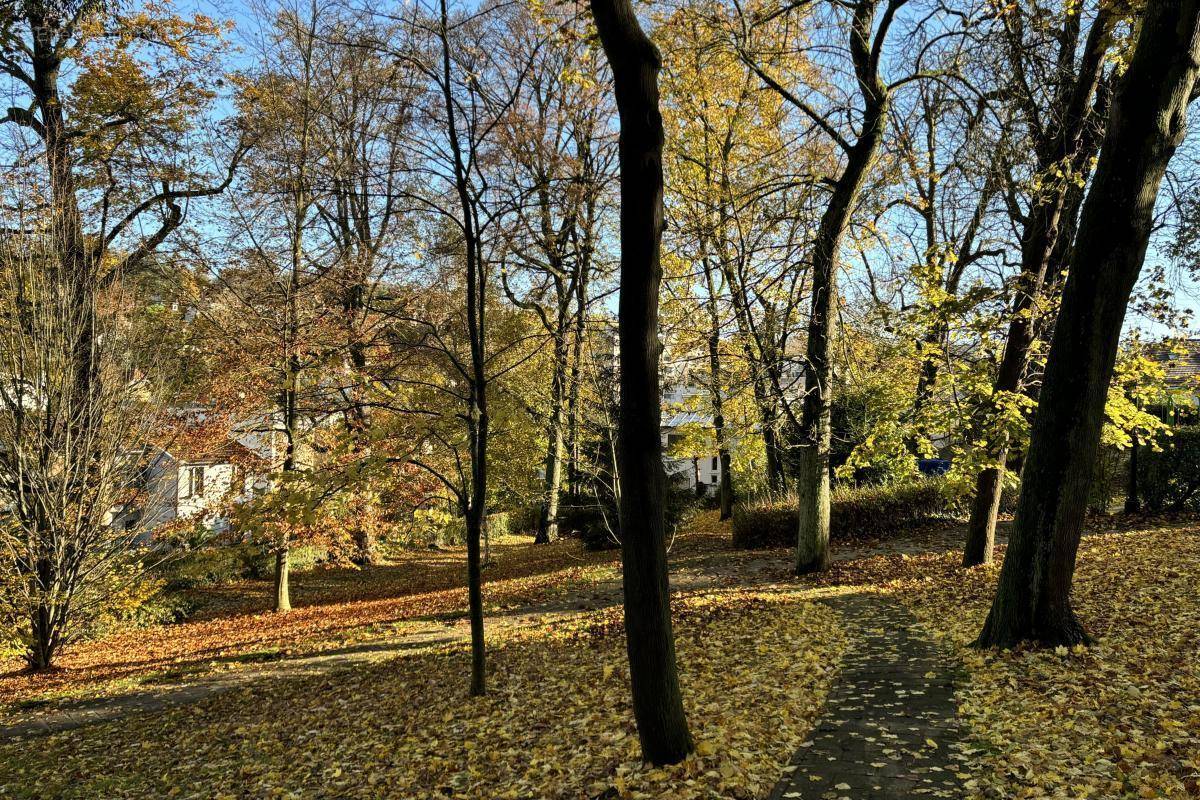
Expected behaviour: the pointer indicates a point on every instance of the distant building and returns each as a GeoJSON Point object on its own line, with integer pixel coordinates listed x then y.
{"type": "Point", "coordinates": [189, 481]}
{"type": "Point", "coordinates": [682, 419]}
{"type": "Point", "coordinates": [1181, 360]}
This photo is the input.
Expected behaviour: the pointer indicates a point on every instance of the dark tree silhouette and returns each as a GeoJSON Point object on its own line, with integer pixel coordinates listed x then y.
{"type": "Point", "coordinates": [657, 703]}
{"type": "Point", "coordinates": [1148, 122]}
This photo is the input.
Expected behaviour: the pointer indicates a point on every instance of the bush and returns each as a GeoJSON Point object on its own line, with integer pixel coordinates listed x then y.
{"type": "Point", "coordinates": [454, 532]}
{"type": "Point", "coordinates": [854, 511]}
{"type": "Point", "coordinates": [206, 566]}
{"type": "Point", "coordinates": [596, 523]}
{"type": "Point", "coordinates": [1169, 480]}
{"type": "Point", "coordinates": [524, 519]}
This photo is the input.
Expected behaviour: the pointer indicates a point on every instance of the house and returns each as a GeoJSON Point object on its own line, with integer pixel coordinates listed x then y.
{"type": "Point", "coordinates": [200, 480]}
{"type": "Point", "coordinates": [685, 417]}
{"type": "Point", "coordinates": [1180, 359]}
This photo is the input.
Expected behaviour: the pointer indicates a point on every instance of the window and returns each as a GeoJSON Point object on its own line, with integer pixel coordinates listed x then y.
{"type": "Point", "coordinates": [194, 487]}
{"type": "Point", "coordinates": [716, 464]}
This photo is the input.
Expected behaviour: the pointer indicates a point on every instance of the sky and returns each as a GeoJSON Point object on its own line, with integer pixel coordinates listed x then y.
{"type": "Point", "coordinates": [1181, 280]}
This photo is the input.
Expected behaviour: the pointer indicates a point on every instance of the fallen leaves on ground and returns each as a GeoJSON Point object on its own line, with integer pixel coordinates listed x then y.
{"type": "Point", "coordinates": [1118, 720]}
{"type": "Point", "coordinates": [557, 723]}
{"type": "Point", "coordinates": [331, 607]}
{"type": "Point", "coordinates": [339, 607]}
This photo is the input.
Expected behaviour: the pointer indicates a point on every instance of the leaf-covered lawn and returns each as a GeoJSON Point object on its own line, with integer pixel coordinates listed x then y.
{"type": "Point", "coordinates": [415, 589]}
{"type": "Point", "coordinates": [332, 608]}
{"type": "Point", "coordinates": [1119, 720]}
{"type": "Point", "coordinates": [755, 668]}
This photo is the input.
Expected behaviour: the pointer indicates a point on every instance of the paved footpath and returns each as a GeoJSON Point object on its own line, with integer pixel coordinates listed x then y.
{"type": "Point", "coordinates": [890, 728]}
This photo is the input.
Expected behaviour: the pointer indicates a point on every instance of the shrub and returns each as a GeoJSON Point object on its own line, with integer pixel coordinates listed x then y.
{"type": "Point", "coordinates": [454, 532]}
{"type": "Point", "coordinates": [524, 519]}
{"type": "Point", "coordinates": [1169, 480]}
{"type": "Point", "coordinates": [206, 566]}
{"type": "Point", "coordinates": [854, 511]}
{"type": "Point", "coordinates": [596, 522]}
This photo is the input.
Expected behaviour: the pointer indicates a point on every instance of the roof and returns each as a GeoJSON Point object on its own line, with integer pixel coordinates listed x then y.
{"type": "Point", "coordinates": [1182, 359]}
{"type": "Point", "coordinates": [225, 452]}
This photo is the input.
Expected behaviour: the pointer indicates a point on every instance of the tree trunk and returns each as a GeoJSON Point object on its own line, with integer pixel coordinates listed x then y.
{"type": "Point", "coordinates": [1148, 123]}
{"type": "Point", "coordinates": [776, 480]}
{"type": "Point", "coordinates": [1047, 233]}
{"type": "Point", "coordinates": [474, 520]}
{"type": "Point", "coordinates": [981, 527]}
{"type": "Point", "coordinates": [578, 332]}
{"type": "Point", "coordinates": [812, 544]}
{"type": "Point", "coordinates": [650, 641]}
{"type": "Point", "coordinates": [548, 519]}
{"type": "Point", "coordinates": [474, 497]}
{"type": "Point", "coordinates": [1133, 497]}
{"type": "Point", "coordinates": [716, 396]}
{"type": "Point", "coordinates": [283, 598]}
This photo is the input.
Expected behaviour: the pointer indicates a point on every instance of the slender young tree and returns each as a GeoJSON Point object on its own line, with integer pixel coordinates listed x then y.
{"type": "Point", "coordinates": [650, 640]}
{"type": "Point", "coordinates": [1148, 122]}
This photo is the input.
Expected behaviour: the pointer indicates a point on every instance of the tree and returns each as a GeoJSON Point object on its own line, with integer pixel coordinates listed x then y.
{"type": "Point", "coordinates": [1148, 122]}
{"type": "Point", "coordinates": [363, 117]}
{"type": "Point", "coordinates": [273, 328]}
{"type": "Point", "coordinates": [738, 205]}
{"type": "Point", "coordinates": [859, 144]}
{"type": "Point", "coordinates": [104, 158]}
{"type": "Point", "coordinates": [561, 159]}
{"type": "Point", "coordinates": [650, 640]}
{"type": "Point", "coordinates": [471, 80]}
{"type": "Point", "coordinates": [1061, 103]}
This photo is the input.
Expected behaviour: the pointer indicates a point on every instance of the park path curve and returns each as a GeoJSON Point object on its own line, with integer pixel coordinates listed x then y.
{"type": "Point", "coordinates": [890, 728]}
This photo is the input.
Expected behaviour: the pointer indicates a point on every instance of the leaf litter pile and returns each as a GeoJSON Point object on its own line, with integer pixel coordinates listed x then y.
{"type": "Point", "coordinates": [557, 722]}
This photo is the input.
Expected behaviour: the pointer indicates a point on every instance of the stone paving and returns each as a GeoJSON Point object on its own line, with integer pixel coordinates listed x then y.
{"type": "Point", "coordinates": [890, 728]}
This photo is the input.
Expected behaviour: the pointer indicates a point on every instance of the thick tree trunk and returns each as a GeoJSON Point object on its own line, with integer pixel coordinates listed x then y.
{"type": "Point", "coordinates": [776, 479]}
{"type": "Point", "coordinates": [657, 702]}
{"type": "Point", "coordinates": [1148, 123]}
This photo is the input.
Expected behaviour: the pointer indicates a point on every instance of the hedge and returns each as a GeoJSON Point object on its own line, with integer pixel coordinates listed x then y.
{"type": "Point", "coordinates": [206, 566]}
{"type": "Point", "coordinates": [454, 533]}
{"type": "Point", "coordinates": [854, 511]}
{"type": "Point", "coordinates": [1169, 479]}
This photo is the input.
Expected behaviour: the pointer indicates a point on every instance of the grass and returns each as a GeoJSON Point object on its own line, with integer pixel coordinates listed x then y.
{"type": "Point", "coordinates": [333, 608]}
{"type": "Point", "coordinates": [556, 722]}
{"type": "Point", "coordinates": [1118, 720]}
